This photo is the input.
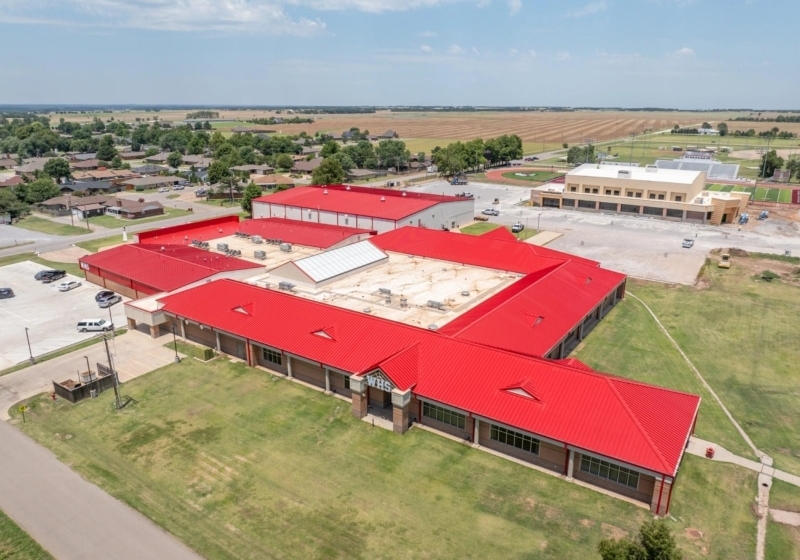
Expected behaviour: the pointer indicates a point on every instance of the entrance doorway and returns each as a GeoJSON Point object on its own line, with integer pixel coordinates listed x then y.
{"type": "Point", "coordinates": [379, 403]}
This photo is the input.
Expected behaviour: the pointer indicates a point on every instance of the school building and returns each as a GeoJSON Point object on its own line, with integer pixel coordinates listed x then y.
{"type": "Point", "coordinates": [467, 335]}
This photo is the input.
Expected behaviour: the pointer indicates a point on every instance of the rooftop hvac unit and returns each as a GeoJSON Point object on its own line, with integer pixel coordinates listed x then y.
{"type": "Point", "coordinates": [624, 174]}
{"type": "Point", "coordinates": [433, 327]}
{"type": "Point", "coordinates": [367, 310]}
{"type": "Point", "coordinates": [385, 291]}
{"type": "Point", "coordinates": [403, 301]}
{"type": "Point", "coordinates": [222, 247]}
{"type": "Point", "coordinates": [435, 304]}
{"type": "Point", "coordinates": [285, 286]}
{"type": "Point", "coordinates": [257, 239]}
{"type": "Point", "coordinates": [261, 255]}
{"type": "Point", "coordinates": [651, 168]}
{"type": "Point", "coordinates": [465, 293]}
{"type": "Point", "coordinates": [286, 247]}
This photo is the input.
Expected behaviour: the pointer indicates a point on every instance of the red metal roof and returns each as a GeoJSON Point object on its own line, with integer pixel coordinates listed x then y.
{"type": "Point", "coordinates": [532, 315]}
{"type": "Point", "coordinates": [500, 233]}
{"type": "Point", "coordinates": [166, 270]}
{"type": "Point", "coordinates": [357, 201]}
{"type": "Point", "coordinates": [631, 422]}
{"type": "Point", "coordinates": [183, 234]}
{"type": "Point", "coordinates": [310, 234]}
{"type": "Point", "coordinates": [475, 250]}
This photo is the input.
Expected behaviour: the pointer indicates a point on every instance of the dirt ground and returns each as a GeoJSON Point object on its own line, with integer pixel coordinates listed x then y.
{"type": "Point", "coordinates": [755, 155]}
{"type": "Point", "coordinates": [788, 272]}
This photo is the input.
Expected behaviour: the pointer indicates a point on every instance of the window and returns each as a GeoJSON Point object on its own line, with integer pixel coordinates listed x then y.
{"type": "Point", "coordinates": [595, 191]}
{"type": "Point", "coordinates": [587, 190]}
{"type": "Point", "coordinates": [573, 189]}
{"type": "Point", "coordinates": [678, 198]}
{"type": "Point", "coordinates": [443, 415]}
{"type": "Point", "coordinates": [610, 471]}
{"type": "Point", "coordinates": [346, 381]}
{"type": "Point", "coordinates": [652, 196]}
{"type": "Point", "coordinates": [629, 193]}
{"type": "Point", "coordinates": [272, 356]}
{"type": "Point", "coordinates": [515, 439]}
{"type": "Point", "coordinates": [661, 197]}
{"type": "Point", "coordinates": [608, 192]}
{"type": "Point", "coordinates": [616, 193]}
{"type": "Point", "coordinates": [638, 195]}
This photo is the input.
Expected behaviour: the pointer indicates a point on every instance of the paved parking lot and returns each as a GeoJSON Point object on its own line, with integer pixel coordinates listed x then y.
{"type": "Point", "coordinates": [639, 246]}
{"type": "Point", "coordinates": [49, 315]}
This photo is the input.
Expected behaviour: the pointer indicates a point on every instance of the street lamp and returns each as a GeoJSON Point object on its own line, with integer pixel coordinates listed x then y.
{"type": "Point", "coordinates": [539, 222]}
{"type": "Point", "coordinates": [30, 352]}
{"type": "Point", "coordinates": [175, 344]}
{"type": "Point", "coordinates": [69, 207]}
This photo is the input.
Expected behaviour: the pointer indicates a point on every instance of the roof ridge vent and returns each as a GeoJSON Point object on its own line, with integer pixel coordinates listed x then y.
{"type": "Point", "coordinates": [383, 199]}
{"type": "Point", "coordinates": [325, 191]}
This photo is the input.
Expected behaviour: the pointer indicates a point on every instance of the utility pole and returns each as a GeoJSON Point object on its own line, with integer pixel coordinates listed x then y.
{"type": "Point", "coordinates": [30, 352]}
{"type": "Point", "coordinates": [113, 372]}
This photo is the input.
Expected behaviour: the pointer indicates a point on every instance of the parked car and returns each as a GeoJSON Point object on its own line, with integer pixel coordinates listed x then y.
{"type": "Point", "coordinates": [85, 325]}
{"type": "Point", "coordinates": [43, 274]}
{"type": "Point", "coordinates": [518, 227]}
{"type": "Point", "coordinates": [109, 301]}
{"type": "Point", "coordinates": [200, 192]}
{"type": "Point", "coordinates": [491, 212]}
{"type": "Point", "coordinates": [6, 293]}
{"type": "Point", "coordinates": [531, 158]}
{"type": "Point", "coordinates": [177, 187]}
{"type": "Point", "coordinates": [69, 285]}
{"type": "Point", "coordinates": [52, 276]}
{"type": "Point", "coordinates": [688, 243]}
{"type": "Point", "coordinates": [163, 189]}
{"type": "Point", "coordinates": [102, 294]}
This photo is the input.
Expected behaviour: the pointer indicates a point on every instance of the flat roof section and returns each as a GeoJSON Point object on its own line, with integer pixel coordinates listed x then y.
{"type": "Point", "coordinates": [330, 264]}
{"type": "Point", "coordinates": [680, 176]}
{"type": "Point", "coordinates": [183, 234]}
{"type": "Point", "coordinates": [401, 289]}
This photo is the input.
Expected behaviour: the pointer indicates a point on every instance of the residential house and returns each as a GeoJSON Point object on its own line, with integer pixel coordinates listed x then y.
{"type": "Point", "coordinates": [157, 158]}
{"type": "Point", "coordinates": [32, 165]}
{"type": "Point", "coordinates": [89, 188]}
{"type": "Point", "coordinates": [151, 182]}
{"type": "Point", "coordinates": [127, 156]}
{"type": "Point", "coordinates": [12, 181]}
{"type": "Point", "coordinates": [254, 169]}
{"type": "Point", "coordinates": [7, 163]}
{"type": "Point", "coordinates": [307, 166]}
{"type": "Point", "coordinates": [272, 181]}
{"type": "Point", "coordinates": [134, 209]}
{"type": "Point", "coordinates": [149, 169]}
{"type": "Point", "coordinates": [85, 165]}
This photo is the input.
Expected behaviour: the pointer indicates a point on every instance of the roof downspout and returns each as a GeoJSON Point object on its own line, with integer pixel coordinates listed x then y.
{"type": "Point", "coordinates": [566, 460]}
{"type": "Point", "coordinates": [660, 493]}
{"type": "Point", "coordinates": [669, 496]}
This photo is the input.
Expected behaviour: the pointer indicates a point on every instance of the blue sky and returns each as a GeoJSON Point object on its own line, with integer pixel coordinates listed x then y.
{"type": "Point", "coordinates": [688, 54]}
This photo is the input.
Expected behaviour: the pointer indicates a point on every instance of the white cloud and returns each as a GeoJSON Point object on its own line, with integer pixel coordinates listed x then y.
{"type": "Point", "coordinates": [513, 52]}
{"type": "Point", "coordinates": [588, 9]}
{"type": "Point", "coordinates": [532, 53]}
{"type": "Point", "coordinates": [685, 51]}
{"type": "Point", "coordinates": [563, 55]}
{"type": "Point", "coordinates": [427, 33]}
{"type": "Point", "coordinates": [475, 51]}
{"type": "Point", "coordinates": [455, 49]}
{"type": "Point", "coordinates": [426, 48]}
{"type": "Point", "coordinates": [514, 6]}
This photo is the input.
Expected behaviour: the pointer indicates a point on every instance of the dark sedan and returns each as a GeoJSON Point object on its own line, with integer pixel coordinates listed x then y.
{"type": "Point", "coordinates": [103, 295]}
{"type": "Point", "coordinates": [6, 293]}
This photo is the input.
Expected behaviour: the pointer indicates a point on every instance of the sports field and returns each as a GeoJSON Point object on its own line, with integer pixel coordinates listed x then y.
{"type": "Point", "coordinates": [240, 465]}
{"type": "Point", "coordinates": [758, 194]}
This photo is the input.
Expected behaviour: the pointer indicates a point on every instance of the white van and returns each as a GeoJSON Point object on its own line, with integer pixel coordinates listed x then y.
{"type": "Point", "coordinates": [85, 325]}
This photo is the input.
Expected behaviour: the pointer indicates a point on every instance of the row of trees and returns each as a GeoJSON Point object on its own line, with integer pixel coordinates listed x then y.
{"type": "Point", "coordinates": [338, 160]}
{"type": "Point", "coordinates": [581, 154]}
{"type": "Point", "coordinates": [474, 155]}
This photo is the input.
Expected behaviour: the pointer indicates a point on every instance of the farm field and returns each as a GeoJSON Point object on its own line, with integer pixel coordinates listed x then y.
{"type": "Point", "coordinates": [738, 330]}
{"type": "Point", "coordinates": [262, 467]}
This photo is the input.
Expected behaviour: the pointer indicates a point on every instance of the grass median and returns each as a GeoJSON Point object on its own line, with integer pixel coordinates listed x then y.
{"type": "Point", "coordinates": [43, 225]}
{"type": "Point", "coordinates": [738, 330]}
{"type": "Point", "coordinates": [16, 544]}
{"type": "Point", "coordinates": [240, 464]}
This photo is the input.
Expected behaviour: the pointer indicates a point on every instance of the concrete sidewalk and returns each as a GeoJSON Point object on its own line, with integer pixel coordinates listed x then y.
{"type": "Point", "coordinates": [133, 354]}
{"type": "Point", "coordinates": [72, 518]}
{"type": "Point", "coordinates": [68, 516]}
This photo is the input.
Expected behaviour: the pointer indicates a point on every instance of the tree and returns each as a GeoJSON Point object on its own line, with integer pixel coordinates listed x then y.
{"type": "Point", "coordinates": [329, 149]}
{"type": "Point", "coordinates": [793, 165]}
{"type": "Point", "coordinates": [705, 125]}
{"type": "Point", "coordinates": [41, 189]}
{"type": "Point", "coordinates": [580, 154]}
{"type": "Point", "coordinates": [392, 153]}
{"type": "Point", "coordinates": [770, 162]}
{"type": "Point", "coordinates": [250, 192]}
{"type": "Point", "coordinates": [723, 129]}
{"type": "Point", "coordinates": [175, 159]}
{"type": "Point", "coordinates": [329, 172]}
{"type": "Point", "coordinates": [150, 152]}
{"type": "Point", "coordinates": [344, 160]}
{"type": "Point", "coordinates": [654, 542]}
{"type": "Point", "coordinates": [11, 204]}
{"type": "Point", "coordinates": [106, 150]}
{"type": "Point", "coordinates": [57, 168]}
{"type": "Point", "coordinates": [284, 161]}
{"type": "Point", "coordinates": [218, 171]}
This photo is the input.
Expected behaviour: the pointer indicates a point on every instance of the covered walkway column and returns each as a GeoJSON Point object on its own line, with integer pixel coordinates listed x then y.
{"type": "Point", "coordinates": [358, 388]}
{"type": "Point", "coordinates": [327, 381]}
{"type": "Point", "coordinates": [219, 345]}
{"type": "Point", "coordinates": [476, 436]}
{"type": "Point", "coordinates": [401, 400]}
{"type": "Point", "coordinates": [570, 464]}
{"type": "Point", "coordinates": [288, 366]}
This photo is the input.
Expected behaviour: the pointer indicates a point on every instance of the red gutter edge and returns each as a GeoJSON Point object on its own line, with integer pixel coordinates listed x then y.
{"type": "Point", "coordinates": [669, 497]}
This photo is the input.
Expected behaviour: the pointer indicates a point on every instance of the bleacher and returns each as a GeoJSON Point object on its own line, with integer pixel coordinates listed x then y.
{"type": "Point", "coordinates": [713, 169]}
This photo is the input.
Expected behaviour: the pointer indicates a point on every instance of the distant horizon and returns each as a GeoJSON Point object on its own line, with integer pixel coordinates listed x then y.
{"type": "Point", "coordinates": [521, 108]}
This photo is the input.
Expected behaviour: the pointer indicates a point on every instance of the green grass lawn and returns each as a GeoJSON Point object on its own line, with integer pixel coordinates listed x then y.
{"type": "Point", "coordinates": [784, 496]}
{"type": "Point", "coordinates": [112, 222]}
{"type": "Point", "coordinates": [760, 194]}
{"type": "Point", "coordinates": [534, 176]}
{"type": "Point", "coordinates": [783, 542]}
{"type": "Point", "coordinates": [785, 196]}
{"type": "Point", "coordinates": [16, 544]}
{"type": "Point", "coordinates": [95, 245]}
{"type": "Point", "coordinates": [238, 464]}
{"type": "Point", "coordinates": [35, 223]}
{"type": "Point", "coordinates": [479, 228]}
{"type": "Point", "coordinates": [739, 332]}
